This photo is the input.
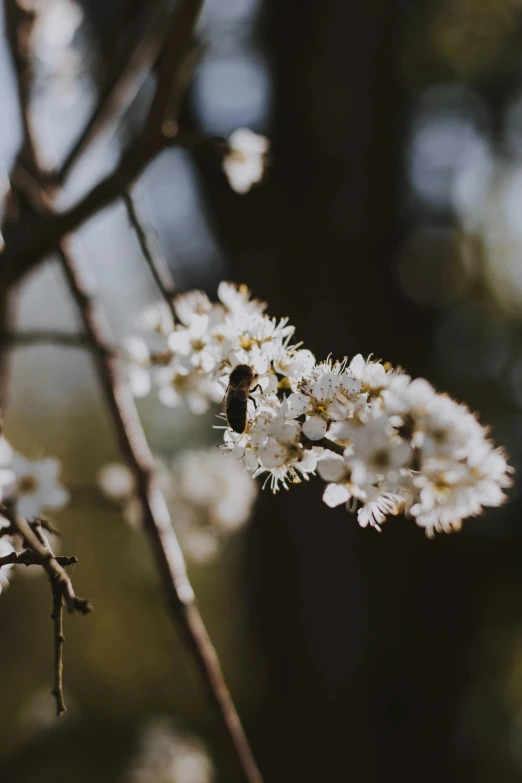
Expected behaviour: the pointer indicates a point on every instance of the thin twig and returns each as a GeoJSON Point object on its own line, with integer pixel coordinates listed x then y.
{"type": "Point", "coordinates": [29, 338]}
{"type": "Point", "coordinates": [156, 517]}
{"type": "Point", "coordinates": [59, 639]}
{"type": "Point", "coordinates": [37, 541]}
{"type": "Point", "coordinates": [124, 79]}
{"type": "Point", "coordinates": [28, 558]}
{"type": "Point", "coordinates": [155, 260]}
{"type": "Point", "coordinates": [39, 522]}
{"type": "Point", "coordinates": [328, 444]}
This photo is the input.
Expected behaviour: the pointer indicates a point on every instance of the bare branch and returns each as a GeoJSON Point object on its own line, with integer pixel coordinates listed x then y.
{"type": "Point", "coordinates": [19, 23]}
{"type": "Point", "coordinates": [38, 234]}
{"type": "Point", "coordinates": [30, 338]}
{"type": "Point", "coordinates": [155, 260]}
{"type": "Point", "coordinates": [125, 76]}
{"type": "Point", "coordinates": [27, 242]}
{"type": "Point", "coordinates": [59, 639]}
{"type": "Point", "coordinates": [28, 558]}
{"type": "Point", "coordinates": [156, 517]}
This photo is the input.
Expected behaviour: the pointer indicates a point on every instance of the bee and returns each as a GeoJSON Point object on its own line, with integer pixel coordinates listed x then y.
{"type": "Point", "coordinates": [237, 395]}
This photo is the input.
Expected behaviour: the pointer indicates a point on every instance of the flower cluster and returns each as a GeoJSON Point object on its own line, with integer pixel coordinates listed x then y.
{"type": "Point", "coordinates": [210, 497]}
{"type": "Point", "coordinates": [384, 443]}
{"type": "Point", "coordinates": [32, 486]}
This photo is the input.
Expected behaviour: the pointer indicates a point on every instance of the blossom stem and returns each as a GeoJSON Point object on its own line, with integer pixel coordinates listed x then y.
{"type": "Point", "coordinates": [155, 260]}
{"type": "Point", "coordinates": [325, 443]}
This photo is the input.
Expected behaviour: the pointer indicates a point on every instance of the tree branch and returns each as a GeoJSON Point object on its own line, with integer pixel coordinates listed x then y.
{"type": "Point", "coordinates": [30, 240]}
{"type": "Point", "coordinates": [156, 517]}
{"type": "Point", "coordinates": [29, 338]}
{"type": "Point", "coordinates": [155, 260]}
{"type": "Point", "coordinates": [28, 558]}
{"type": "Point", "coordinates": [123, 80]}
{"type": "Point", "coordinates": [18, 24]}
{"type": "Point", "coordinates": [38, 234]}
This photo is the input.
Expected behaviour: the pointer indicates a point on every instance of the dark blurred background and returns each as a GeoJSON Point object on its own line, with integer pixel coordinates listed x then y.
{"type": "Point", "coordinates": [390, 222]}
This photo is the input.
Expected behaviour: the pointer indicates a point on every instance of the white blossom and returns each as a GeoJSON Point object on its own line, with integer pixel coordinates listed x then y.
{"type": "Point", "coordinates": [138, 360]}
{"type": "Point", "coordinates": [384, 443]}
{"type": "Point", "coordinates": [36, 488]}
{"type": "Point", "coordinates": [33, 488]}
{"type": "Point", "coordinates": [208, 495]}
{"type": "Point", "coordinates": [116, 480]}
{"type": "Point", "coordinates": [245, 160]}
{"type": "Point", "coordinates": [169, 756]}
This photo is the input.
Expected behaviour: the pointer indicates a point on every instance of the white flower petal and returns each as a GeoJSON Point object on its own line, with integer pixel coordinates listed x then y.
{"type": "Point", "coordinates": [335, 494]}
{"type": "Point", "coordinates": [139, 380]}
{"type": "Point", "coordinates": [331, 468]}
{"type": "Point", "coordinates": [315, 428]}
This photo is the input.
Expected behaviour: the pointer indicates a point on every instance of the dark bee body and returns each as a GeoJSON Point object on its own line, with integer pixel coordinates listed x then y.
{"type": "Point", "coordinates": [236, 398]}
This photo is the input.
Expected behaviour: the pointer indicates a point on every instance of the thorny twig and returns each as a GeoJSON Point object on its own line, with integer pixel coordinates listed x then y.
{"type": "Point", "coordinates": [28, 557]}
{"type": "Point", "coordinates": [36, 540]}
{"type": "Point", "coordinates": [156, 262]}
{"type": "Point", "coordinates": [42, 232]}
{"type": "Point", "coordinates": [59, 639]}
{"type": "Point", "coordinates": [39, 522]}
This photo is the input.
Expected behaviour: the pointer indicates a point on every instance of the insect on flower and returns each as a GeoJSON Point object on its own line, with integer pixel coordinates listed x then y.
{"type": "Point", "coordinates": [237, 395]}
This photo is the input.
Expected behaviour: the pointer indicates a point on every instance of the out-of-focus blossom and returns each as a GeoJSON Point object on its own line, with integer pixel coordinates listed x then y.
{"type": "Point", "coordinates": [169, 756]}
{"type": "Point", "coordinates": [209, 497]}
{"type": "Point", "coordinates": [245, 160]}
{"type": "Point", "coordinates": [37, 488]}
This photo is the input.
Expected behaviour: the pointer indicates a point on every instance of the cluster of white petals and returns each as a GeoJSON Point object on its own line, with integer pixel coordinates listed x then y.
{"type": "Point", "coordinates": [209, 496]}
{"type": "Point", "coordinates": [384, 443]}
{"type": "Point", "coordinates": [32, 486]}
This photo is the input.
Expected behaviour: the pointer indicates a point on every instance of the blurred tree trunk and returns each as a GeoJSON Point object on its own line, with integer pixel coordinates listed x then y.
{"type": "Point", "coordinates": [367, 636]}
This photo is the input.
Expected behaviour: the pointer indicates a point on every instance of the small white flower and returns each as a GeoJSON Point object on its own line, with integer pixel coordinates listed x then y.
{"type": "Point", "coordinates": [156, 318]}
{"type": "Point", "coordinates": [177, 382]}
{"type": "Point", "coordinates": [378, 506]}
{"type": "Point", "coordinates": [237, 299]}
{"type": "Point", "coordinates": [326, 397]}
{"type": "Point", "coordinates": [137, 357]}
{"type": "Point", "coordinates": [37, 487]}
{"type": "Point", "coordinates": [376, 452]}
{"type": "Point", "coordinates": [245, 161]}
{"type": "Point", "coordinates": [190, 304]}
